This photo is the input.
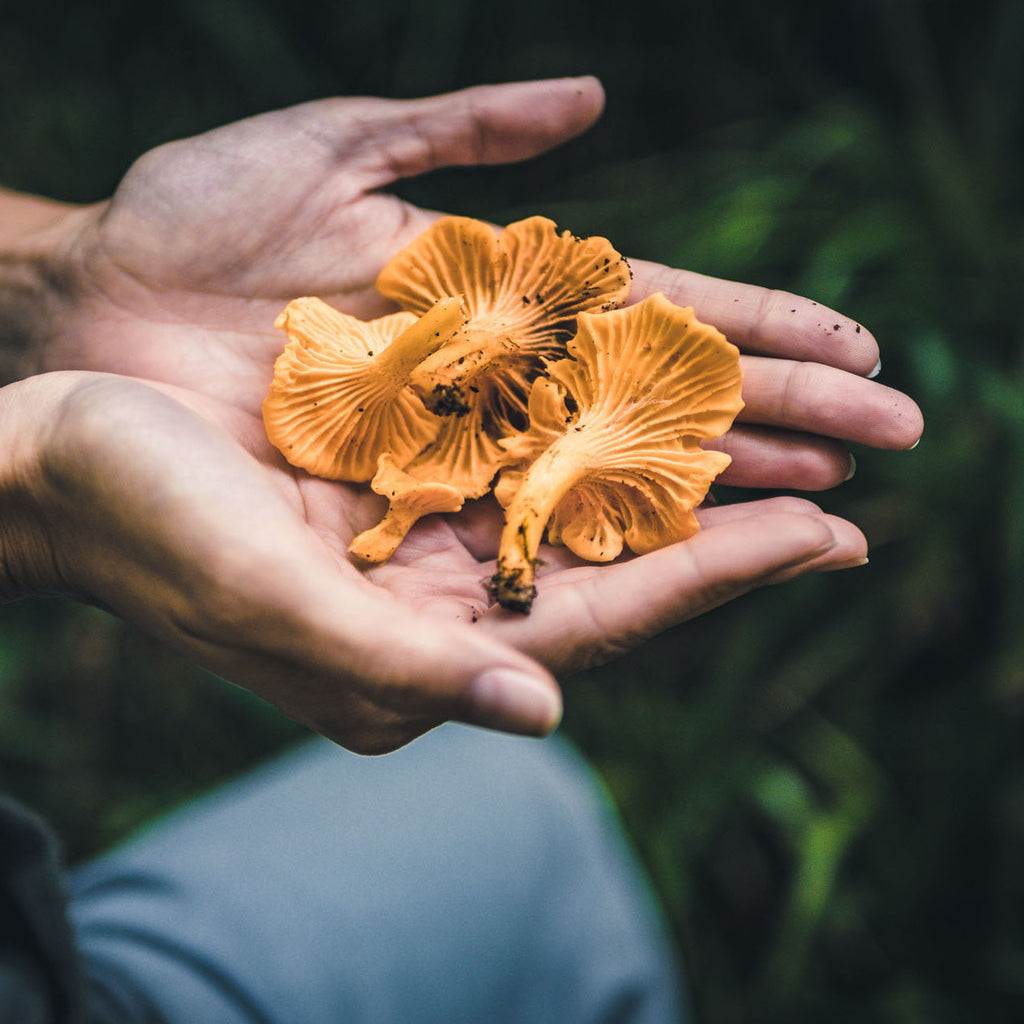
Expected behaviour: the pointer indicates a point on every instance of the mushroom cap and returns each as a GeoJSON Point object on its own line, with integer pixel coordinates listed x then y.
{"type": "Point", "coordinates": [339, 397]}
{"type": "Point", "coordinates": [612, 455]}
{"type": "Point", "coordinates": [522, 291]}
{"type": "Point", "coordinates": [528, 281]}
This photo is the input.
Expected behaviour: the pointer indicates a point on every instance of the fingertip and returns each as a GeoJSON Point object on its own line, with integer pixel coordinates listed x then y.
{"type": "Point", "coordinates": [804, 329]}
{"type": "Point", "coordinates": [840, 545]}
{"type": "Point", "coordinates": [916, 430]}
{"type": "Point", "coordinates": [801, 540]}
{"type": "Point", "coordinates": [865, 356]}
{"type": "Point", "coordinates": [568, 105]}
{"type": "Point", "coordinates": [849, 546]}
{"type": "Point", "coordinates": [511, 700]}
{"type": "Point", "coordinates": [590, 90]}
{"type": "Point", "coordinates": [851, 563]}
{"type": "Point", "coordinates": [820, 537]}
{"type": "Point", "coordinates": [907, 420]}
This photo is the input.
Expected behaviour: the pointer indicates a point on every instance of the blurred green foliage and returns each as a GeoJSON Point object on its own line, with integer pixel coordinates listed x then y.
{"type": "Point", "coordinates": [826, 780]}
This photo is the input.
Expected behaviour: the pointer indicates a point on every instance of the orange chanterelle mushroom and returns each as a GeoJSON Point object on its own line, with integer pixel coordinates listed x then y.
{"type": "Point", "coordinates": [340, 397]}
{"type": "Point", "coordinates": [420, 400]}
{"type": "Point", "coordinates": [612, 455]}
{"type": "Point", "coordinates": [596, 437]}
{"type": "Point", "coordinates": [409, 500]}
{"type": "Point", "coordinates": [522, 291]}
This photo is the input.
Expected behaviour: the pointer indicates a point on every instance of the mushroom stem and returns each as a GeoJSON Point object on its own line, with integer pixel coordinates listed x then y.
{"type": "Point", "coordinates": [545, 484]}
{"type": "Point", "coordinates": [443, 375]}
{"type": "Point", "coordinates": [422, 339]}
{"type": "Point", "coordinates": [409, 500]}
{"type": "Point", "coordinates": [380, 542]}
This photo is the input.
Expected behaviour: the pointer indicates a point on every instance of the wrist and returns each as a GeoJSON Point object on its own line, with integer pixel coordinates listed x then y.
{"type": "Point", "coordinates": [26, 562]}
{"type": "Point", "coordinates": [38, 239]}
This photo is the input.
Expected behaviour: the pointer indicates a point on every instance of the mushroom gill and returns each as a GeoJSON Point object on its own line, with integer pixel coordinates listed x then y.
{"type": "Point", "coordinates": [340, 395]}
{"type": "Point", "coordinates": [522, 291]}
{"type": "Point", "coordinates": [612, 455]}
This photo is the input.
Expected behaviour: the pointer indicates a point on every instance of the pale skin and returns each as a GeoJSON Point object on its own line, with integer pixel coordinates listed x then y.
{"type": "Point", "coordinates": [137, 474]}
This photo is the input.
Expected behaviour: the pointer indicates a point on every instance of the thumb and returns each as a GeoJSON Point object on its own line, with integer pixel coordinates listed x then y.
{"type": "Point", "coordinates": [487, 124]}
{"type": "Point", "coordinates": [415, 663]}
{"type": "Point", "coordinates": [371, 673]}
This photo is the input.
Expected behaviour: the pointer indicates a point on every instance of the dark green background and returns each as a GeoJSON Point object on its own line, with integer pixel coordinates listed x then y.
{"type": "Point", "coordinates": [826, 780]}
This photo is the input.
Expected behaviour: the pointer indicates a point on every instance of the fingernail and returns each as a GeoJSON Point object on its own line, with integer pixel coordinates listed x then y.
{"type": "Point", "coordinates": [853, 563]}
{"type": "Point", "coordinates": [914, 445]}
{"type": "Point", "coordinates": [876, 371]}
{"type": "Point", "coordinates": [515, 702]}
{"type": "Point", "coordinates": [852, 469]}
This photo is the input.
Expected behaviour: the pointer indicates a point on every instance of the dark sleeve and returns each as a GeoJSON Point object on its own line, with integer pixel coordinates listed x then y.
{"type": "Point", "coordinates": [39, 977]}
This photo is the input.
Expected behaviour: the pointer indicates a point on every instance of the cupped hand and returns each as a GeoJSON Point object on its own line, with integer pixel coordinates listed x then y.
{"type": "Point", "coordinates": [170, 509]}
{"type": "Point", "coordinates": [163, 501]}
{"type": "Point", "coordinates": [179, 277]}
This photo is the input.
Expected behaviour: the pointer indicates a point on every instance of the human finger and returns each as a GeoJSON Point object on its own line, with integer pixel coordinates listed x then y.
{"type": "Point", "coordinates": [592, 614]}
{"type": "Point", "coordinates": [764, 321]}
{"type": "Point", "coordinates": [486, 124]}
{"type": "Point", "coordinates": [829, 402]}
{"type": "Point", "coordinates": [368, 672]}
{"type": "Point", "coordinates": [767, 457]}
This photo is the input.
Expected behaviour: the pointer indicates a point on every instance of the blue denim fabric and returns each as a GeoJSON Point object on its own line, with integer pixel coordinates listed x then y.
{"type": "Point", "coordinates": [468, 877]}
